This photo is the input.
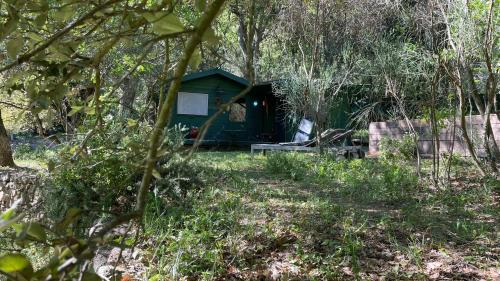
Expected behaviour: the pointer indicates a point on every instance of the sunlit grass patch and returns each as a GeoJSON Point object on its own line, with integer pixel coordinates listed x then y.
{"type": "Point", "coordinates": [34, 164]}
{"type": "Point", "coordinates": [336, 221]}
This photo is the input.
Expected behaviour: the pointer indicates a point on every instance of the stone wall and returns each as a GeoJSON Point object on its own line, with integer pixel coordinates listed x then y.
{"type": "Point", "coordinates": [21, 184]}
{"type": "Point", "coordinates": [450, 139]}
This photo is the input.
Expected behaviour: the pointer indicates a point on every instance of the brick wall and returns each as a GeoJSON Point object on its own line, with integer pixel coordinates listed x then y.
{"type": "Point", "coordinates": [448, 140]}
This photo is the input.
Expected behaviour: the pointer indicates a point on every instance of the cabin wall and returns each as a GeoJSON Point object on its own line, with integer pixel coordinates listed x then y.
{"type": "Point", "coordinates": [340, 113]}
{"type": "Point", "coordinates": [220, 90]}
{"type": "Point", "coordinates": [265, 117]}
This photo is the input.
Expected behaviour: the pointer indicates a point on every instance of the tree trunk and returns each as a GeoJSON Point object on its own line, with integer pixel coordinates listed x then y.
{"type": "Point", "coordinates": [128, 98]}
{"type": "Point", "coordinates": [39, 125]}
{"type": "Point", "coordinates": [6, 159]}
{"type": "Point", "coordinates": [463, 124]}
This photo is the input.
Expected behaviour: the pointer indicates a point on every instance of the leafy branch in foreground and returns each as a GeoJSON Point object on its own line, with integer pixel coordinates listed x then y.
{"type": "Point", "coordinates": [70, 252]}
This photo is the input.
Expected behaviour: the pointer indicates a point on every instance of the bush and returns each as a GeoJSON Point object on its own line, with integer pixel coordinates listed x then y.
{"type": "Point", "coordinates": [179, 177]}
{"type": "Point", "coordinates": [105, 177]}
{"type": "Point", "coordinates": [399, 149]}
{"type": "Point", "coordinates": [368, 179]}
{"type": "Point", "coordinates": [107, 170]}
{"type": "Point", "coordinates": [26, 151]}
{"type": "Point", "coordinates": [291, 165]}
{"type": "Point", "coordinates": [362, 179]}
{"type": "Point", "coordinates": [362, 135]}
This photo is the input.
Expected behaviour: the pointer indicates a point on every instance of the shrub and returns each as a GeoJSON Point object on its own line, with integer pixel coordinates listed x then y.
{"type": "Point", "coordinates": [369, 179]}
{"type": "Point", "coordinates": [362, 135]}
{"type": "Point", "coordinates": [291, 165]}
{"type": "Point", "coordinates": [399, 149]}
{"type": "Point", "coordinates": [26, 151]}
{"type": "Point", "coordinates": [106, 175]}
{"type": "Point", "coordinates": [363, 179]}
{"type": "Point", "coordinates": [179, 177]}
{"type": "Point", "coordinates": [107, 170]}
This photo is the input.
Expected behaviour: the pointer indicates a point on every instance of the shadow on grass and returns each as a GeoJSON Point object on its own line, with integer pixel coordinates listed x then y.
{"type": "Point", "coordinates": [333, 222]}
{"type": "Point", "coordinates": [360, 228]}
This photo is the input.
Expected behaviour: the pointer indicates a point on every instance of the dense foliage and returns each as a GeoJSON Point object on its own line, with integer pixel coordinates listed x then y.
{"type": "Point", "coordinates": [89, 88]}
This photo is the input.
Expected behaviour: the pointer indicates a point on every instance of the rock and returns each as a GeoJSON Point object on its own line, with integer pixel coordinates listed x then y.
{"type": "Point", "coordinates": [431, 266]}
{"type": "Point", "coordinates": [100, 259]}
{"type": "Point", "coordinates": [20, 183]}
{"type": "Point", "coordinates": [105, 271]}
{"type": "Point", "coordinates": [5, 178]}
{"type": "Point", "coordinates": [95, 228]}
{"type": "Point", "coordinates": [114, 255]}
{"type": "Point", "coordinates": [136, 255]}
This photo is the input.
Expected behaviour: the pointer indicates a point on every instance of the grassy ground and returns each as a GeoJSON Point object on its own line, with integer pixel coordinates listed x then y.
{"type": "Point", "coordinates": [303, 217]}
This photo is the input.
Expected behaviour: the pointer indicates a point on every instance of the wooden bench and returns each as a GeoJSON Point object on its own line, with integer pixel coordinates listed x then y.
{"type": "Point", "coordinates": [278, 147]}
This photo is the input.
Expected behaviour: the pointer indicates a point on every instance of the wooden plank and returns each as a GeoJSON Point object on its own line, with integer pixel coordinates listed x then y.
{"type": "Point", "coordinates": [278, 147]}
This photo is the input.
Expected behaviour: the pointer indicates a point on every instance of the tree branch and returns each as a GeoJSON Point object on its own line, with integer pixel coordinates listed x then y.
{"type": "Point", "coordinates": [27, 56]}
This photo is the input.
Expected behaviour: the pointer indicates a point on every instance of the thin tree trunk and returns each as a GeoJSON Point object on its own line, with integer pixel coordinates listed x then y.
{"type": "Point", "coordinates": [166, 109]}
{"type": "Point", "coordinates": [164, 75]}
{"type": "Point", "coordinates": [39, 125]}
{"type": "Point", "coordinates": [463, 124]}
{"type": "Point", "coordinates": [434, 129]}
{"type": "Point", "coordinates": [6, 159]}
{"type": "Point", "coordinates": [491, 90]}
{"type": "Point", "coordinates": [453, 136]}
{"type": "Point", "coordinates": [128, 97]}
{"type": "Point", "coordinates": [489, 142]}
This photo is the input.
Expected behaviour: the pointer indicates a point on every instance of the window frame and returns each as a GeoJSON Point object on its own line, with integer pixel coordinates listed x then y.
{"type": "Point", "coordinates": [241, 102]}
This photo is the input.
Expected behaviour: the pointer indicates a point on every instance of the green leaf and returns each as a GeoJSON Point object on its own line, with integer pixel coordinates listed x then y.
{"type": "Point", "coordinates": [7, 215]}
{"type": "Point", "coordinates": [71, 216]}
{"type": "Point", "coordinates": [59, 53]}
{"type": "Point", "coordinates": [14, 47]}
{"type": "Point", "coordinates": [90, 110]}
{"type": "Point", "coordinates": [156, 174]}
{"type": "Point", "coordinates": [58, 93]}
{"type": "Point", "coordinates": [164, 23]}
{"type": "Point", "coordinates": [35, 37]}
{"type": "Point", "coordinates": [90, 276]}
{"type": "Point", "coordinates": [9, 26]}
{"type": "Point", "coordinates": [51, 165]}
{"type": "Point", "coordinates": [41, 19]}
{"type": "Point", "coordinates": [210, 38]}
{"type": "Point", "coordinates": [131, 122]}
{"type": "Point", "coordinates": [19, 228]}
{"type": "Point", "coordinates": [156, 277]}
{"type": "Point", "coordinates": [13, 262]}
{"type": "Point", "coordinates": [75, 109]}
{"type": "Point", "coordinates": [201, 5]}
{"type": "Point", "coordinates": [64, 13]}
{"type": "Point", "coordinates": [195, 59]}
{"type": "Point", "coordinates": [36, 231]}
{"type": "Point", "coordinates": [40, 5]}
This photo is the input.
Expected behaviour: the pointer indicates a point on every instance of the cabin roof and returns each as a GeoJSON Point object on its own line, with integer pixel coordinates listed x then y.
{"type": "Point", "coordinates": [215, 71]}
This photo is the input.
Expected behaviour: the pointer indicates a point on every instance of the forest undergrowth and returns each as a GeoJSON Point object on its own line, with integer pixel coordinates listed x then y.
{"type": "Point", "coordinates": [302, 217]}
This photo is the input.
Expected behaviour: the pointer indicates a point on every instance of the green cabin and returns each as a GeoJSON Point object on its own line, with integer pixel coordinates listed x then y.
{"type": "Point", "coordinates": [258, 117]}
